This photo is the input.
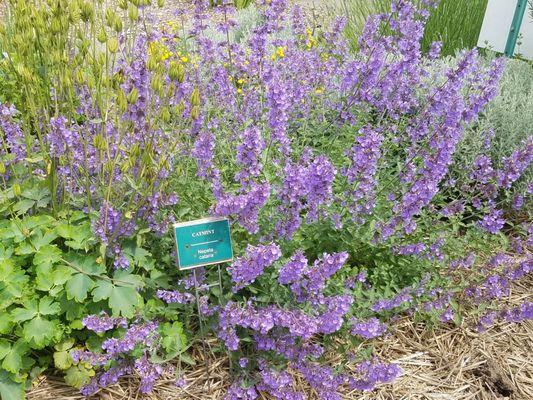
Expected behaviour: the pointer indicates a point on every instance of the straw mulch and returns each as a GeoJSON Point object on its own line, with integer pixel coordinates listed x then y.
{"type": "Point", "coordinates": [447, 363]}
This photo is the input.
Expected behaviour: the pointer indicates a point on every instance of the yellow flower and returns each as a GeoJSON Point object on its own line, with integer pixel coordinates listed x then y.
{"type": "Point", "coordinates": [239, 90]}
{"type": "Point", "coordinates": [280, 52]}
{"type": "Point", "coordinates": [184, 59]}
{"type": "Point", "coordinates": [319, 91]}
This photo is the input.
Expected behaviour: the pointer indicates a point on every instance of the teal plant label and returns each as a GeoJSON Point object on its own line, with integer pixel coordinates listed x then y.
{"type": "Point", "coordinates": [203, 242]}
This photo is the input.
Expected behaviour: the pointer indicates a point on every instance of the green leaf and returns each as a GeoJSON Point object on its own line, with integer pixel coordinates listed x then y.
{"type": "Point", "coordinates": [77, 236]}
{"type": "Point", "coordinates": [47, 306]}
{"type": "Point", "coordinates": [187, 359]}
{"type": "Point", "coordinates": [78, 286]}
{"type": "Point", "coordinates": [85, 263]}
{"type": "Point", "coordinates": [13, 360]}
{"type": "Point", "coordinates": [78, 375]}
{"type": "Point", "coordinates": [47, 255]}
{"type": "Point", "coordinates": [66, 345]}
{"type": "Point", "coordinates": [22, 206]}
{"type": "Point", "coordinates": [39, 332]}
{"type": "Point", "coordinates": [10, 390]}
{"type": "Point", "coordinates": [102, 290]}
{"type": "Point", "coordinates": [40, 239]}
{"type": "Point", "coordinates": [61, 274]}
{"type": "Point", "coordinates": [173, 340]}
{"type": "Point", "coordinates": [14, 277]}
{"type": "Point", "coordinates": [6, 322]}
{"type": "Point", "coordinates": [124, 278]}
{"type": "Point", "coordinates": [29, 311]}
{"type": "Point", "coordinates": [123, 301]}
{"type": "Point", "coordinates": [5, 348]}
{"type": "Point", "coordinates": [62, 360]}
{"type": "Point", "coordinates": [25, 248]}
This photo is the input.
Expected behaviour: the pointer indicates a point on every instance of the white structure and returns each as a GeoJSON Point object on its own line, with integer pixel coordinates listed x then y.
{"type": "Point", "coordinates": [496, 28]}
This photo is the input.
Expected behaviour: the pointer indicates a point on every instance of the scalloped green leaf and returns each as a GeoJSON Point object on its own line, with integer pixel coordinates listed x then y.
{"type": "Point", "coordinates": [9, 389]}
{"type": "Point", "coordinates": [39, 332]}
{"type": "Point", "coordinates": [124, 301]}
{"type": "Point", "coordinates": [78, 286]}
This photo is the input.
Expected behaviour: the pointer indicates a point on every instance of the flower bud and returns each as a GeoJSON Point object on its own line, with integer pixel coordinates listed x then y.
{"type": "Point", "coordinates": [133, 13]}
{"type": "Point", "coordinates": [123, 4]}
{"type": "Point", "coordinates": [195, 112]}
{"type": "Point", "coordinates": [122, 101]}
{"type": "Point", "coordinates": [109, 166]}
{"type": "Point", "coordinates": [152, 63]}
{"type": "Point", "coordinates": [86, 11]}
{"type": "Point", "coordinates": [133, 96]}
{"type": "Point", "coordinates": [179, 108]}
{"type": "Point", "coordinates": [165, 115]}
{"type": "Point", "coordinates": [125, 167]}
{"type": "Point", "coordinates": [160, 3]}
{"type": "Point", "coordinates": [157, 84]}
{"type": "Point", "coordinates": [102, 36]}
{"type": "Point", "coordinates": [135, 150]}
{"type": "Point", "coordinates": [195, 97]}
{"type": "Point", "coordinates": [16, 189]}
{"type": "Point", "coordinates": [55, 26]}
{"type": "Point", "coordinates": [2, 168]}
{"type": "Point", "coordinates": [176, 71]}
{"type": "Point", "coordinates": [110, 17]}
{"type": "Point", "coordinates": [117, 26]}
{"type": "Point", "coordinates": [99, 142]}
{"type": "Point", "coordinates": [112, 45]}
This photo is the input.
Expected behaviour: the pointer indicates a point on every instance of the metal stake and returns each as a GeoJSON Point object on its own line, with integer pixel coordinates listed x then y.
{"type": "Point", "coordinates": [515, 27]}
{"type": "Point", "coordinates": [202, 332]}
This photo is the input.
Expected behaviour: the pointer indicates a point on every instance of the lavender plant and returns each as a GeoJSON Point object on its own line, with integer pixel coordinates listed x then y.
{"type": "Point", "coordinates": [337, 170]}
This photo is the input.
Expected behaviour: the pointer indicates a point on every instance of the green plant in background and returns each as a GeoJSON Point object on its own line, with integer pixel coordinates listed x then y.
{"type": "Point", "coordinates": [455, 23]}
{"type": "Point", "coordinates": [243, 3]}
{"type": "Point", "coordinates": [240, 4]}
{"type": "Point", "coordinates": [500, 125]}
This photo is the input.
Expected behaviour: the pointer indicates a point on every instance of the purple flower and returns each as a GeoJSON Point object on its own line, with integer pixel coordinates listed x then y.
{"type": "Point", "coordinates": [102, 323]}
{"type": "Point", "coordinates": [364, 157]}
{"type": "Point", "coordinates": [169, 297]}
{"type": "Point", "coordinates": [148, 372]}
{"type": "Point", "coordinates": [293, 269]}
{"type": "Point", "coordinates": [238, 392]}
{"type": "Point", "coordinates": [368, 329]}
{"type": "Point", "coordinates": [493, 221]}
{"type": "Point", "coordinates": [246, 269]}
{"type": "Point", "coordinates": [145, 334]}
{"type": "Point", "coordinates": [249, 154]}
{"type": "Point", "coordinates": [306, 187]}
{"type": "Point", "coordinates": [244, 206]}
{"type": "Point", "coordinates": [515, 165]}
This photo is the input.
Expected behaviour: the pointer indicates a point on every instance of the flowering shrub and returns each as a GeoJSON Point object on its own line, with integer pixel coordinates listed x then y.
{"type": "Point", "coordinates": [338, 171]}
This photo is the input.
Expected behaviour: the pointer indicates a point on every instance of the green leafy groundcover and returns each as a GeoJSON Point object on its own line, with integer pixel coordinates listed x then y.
{"type": "Point", "coordinates": [50, 278]}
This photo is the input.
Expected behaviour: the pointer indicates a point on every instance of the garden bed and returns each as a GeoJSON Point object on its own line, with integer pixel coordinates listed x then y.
{"type": "Point", "coordinates": [367, 200]}
{"type": "Point", "coordinates": [448, 363]}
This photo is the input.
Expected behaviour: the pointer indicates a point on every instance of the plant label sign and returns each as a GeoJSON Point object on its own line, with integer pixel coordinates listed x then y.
{"type": "Point", "coordinates": [203, 242]}
{"type": "Point", "coordinates": [508, 27]}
